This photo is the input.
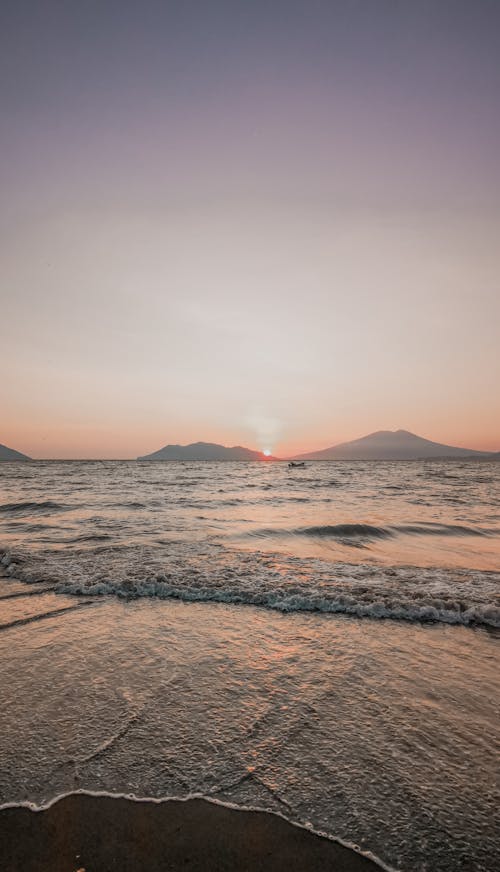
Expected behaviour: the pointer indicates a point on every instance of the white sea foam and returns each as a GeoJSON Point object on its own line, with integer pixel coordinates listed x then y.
{"type": "Point", "coordinates": [212, 573]}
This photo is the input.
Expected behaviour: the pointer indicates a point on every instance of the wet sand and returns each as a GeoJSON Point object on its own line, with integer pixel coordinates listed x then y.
{"type": "Point", "coordinates": [103, 834]}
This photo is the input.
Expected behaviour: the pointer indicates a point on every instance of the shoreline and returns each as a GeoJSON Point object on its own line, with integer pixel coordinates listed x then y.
{"type": "Point", "coordinates": [324, 723]}
{"type": "Point", "coordinates": [84, 832]}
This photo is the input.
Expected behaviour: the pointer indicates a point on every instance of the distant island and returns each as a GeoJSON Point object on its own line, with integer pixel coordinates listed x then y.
{"type": "Point", "coordinates": [382, 445]}
{"type": "Point", "coordinates": [394, 445]}
{"type": "Point", "coordinates": [206, 451]}
{"type": "Point", "coordinates": [10, 454]}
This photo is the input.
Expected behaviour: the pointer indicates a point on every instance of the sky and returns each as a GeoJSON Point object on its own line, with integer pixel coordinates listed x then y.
{"type": "Point", "coordinates": [273, 224]}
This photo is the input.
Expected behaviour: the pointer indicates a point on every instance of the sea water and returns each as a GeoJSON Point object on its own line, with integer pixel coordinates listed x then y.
{"type": "Point", "coordinates": [320, 642]}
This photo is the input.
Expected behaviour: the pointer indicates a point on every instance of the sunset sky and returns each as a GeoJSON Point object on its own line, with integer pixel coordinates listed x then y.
{"type": "Point", "coordinates": [273, 224]}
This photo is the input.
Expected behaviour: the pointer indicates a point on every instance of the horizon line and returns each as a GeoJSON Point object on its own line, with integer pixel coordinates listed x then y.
{"type": "Point", "coordinates": [266, 454]}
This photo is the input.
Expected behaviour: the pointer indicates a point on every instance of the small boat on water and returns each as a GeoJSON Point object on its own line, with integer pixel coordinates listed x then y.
{"type": "Point", "coordinates": [294, 464]}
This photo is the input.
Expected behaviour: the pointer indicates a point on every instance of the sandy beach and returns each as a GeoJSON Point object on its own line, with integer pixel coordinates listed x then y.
{"type": "Point", "coordinates": [101, 834]}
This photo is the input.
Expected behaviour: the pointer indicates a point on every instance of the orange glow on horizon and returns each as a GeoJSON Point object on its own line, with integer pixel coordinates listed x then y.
{"type": "Point", "coordinates": [69, 442]}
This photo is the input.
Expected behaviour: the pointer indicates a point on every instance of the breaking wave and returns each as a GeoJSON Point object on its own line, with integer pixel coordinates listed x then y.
{"type": "Point", "coordinates": [209, 572]}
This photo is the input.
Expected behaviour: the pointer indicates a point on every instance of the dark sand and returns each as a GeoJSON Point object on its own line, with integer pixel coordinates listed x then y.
{"type": "Point", "coordinates": [102, 834]}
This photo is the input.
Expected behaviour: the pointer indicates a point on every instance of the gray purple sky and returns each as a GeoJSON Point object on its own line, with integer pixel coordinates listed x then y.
{"type": "Point", "coordinates": [266, 223]}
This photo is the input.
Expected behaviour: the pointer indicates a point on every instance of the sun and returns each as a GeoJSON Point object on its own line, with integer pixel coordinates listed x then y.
{"type": "Point", "coordinates": [266, 452]}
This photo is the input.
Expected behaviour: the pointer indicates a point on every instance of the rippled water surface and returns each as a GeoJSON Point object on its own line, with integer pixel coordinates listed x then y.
{"type": "Point", "coordinates": [404, 540]}
{"type": "Point", "coordinates": [361, 696]}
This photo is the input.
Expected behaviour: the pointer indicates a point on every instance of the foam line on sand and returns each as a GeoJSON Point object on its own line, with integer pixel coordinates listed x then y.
{"type": "Point", "coordinates": [104, 833]}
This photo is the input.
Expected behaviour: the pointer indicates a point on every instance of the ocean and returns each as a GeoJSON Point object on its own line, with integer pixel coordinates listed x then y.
{"type": "Point", "coordinates": [320, 642]}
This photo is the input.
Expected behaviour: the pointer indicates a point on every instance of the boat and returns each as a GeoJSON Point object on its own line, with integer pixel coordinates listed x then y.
{"type": "Point", "coordinates": [294, 464]}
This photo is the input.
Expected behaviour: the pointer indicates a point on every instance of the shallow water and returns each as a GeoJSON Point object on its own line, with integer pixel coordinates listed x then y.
{"type": "Point", "coordinates": [384, 733]}
{"type": "Point", "coordinates": [379, 733]}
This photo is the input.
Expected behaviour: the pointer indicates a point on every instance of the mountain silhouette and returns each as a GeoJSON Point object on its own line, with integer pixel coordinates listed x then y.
{"type": "Point", "coordinates": [205, 451]}
{"type": "Point", "coordinates": [392, 445]}
{"type": "Point", "coordinates": [10, 454]}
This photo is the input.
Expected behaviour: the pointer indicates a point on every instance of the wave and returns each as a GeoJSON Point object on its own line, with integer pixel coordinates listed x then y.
{"type": "Point", "coordinates": [355, 533]}
{"type": "Point", "coordinates": [434, 529]}
{"type": "Point", "coordinates": [342, 532]}
{"type": "Point", "coordinates": [428, 612]}
{"type": "Point", "coordinates": [346, 531]}
{"type": "Point", "coordinates": [209, 572]}
{"type": "Point", "coordinates": [45, 507]}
